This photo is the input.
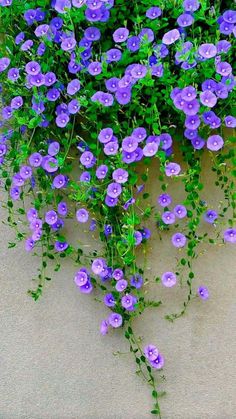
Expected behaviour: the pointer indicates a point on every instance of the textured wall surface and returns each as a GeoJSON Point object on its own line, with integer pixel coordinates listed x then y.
{"type": "Point", "coordinates": [55, 365]}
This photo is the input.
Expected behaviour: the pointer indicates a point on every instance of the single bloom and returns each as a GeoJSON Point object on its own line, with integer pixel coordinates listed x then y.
{"type": "Point", "coordinates": [171, 37]}
{"type": "Point", "coordinates": [210, 216]}
{"type": "Point", "coordinates": [153, 12]}
{"type": "Point", "coordinates": [168, 217]}
{"type": "Point", "coordinates": [207, 50]}
{"type": "Point", "coordinates": [172, 169]}
{"type": "Point", "coordinates": [230, 235]}
{"type": "Point", "coordinates": [151, 352]}
{"type": "Point", "coordinates": [215, 142]}
{"type": "Point", "coordinates": [164, 200]}
{"type": "Point", "coordinates": [82, 215]}
{"type": "Point", "coordinates": [115, 320]}
{"type": "Point", "coordinates": [120, 35]}
{"type": "Point", "coordinates": [179, 240]}
{"type": "Point", "coordinates": [203, 293]}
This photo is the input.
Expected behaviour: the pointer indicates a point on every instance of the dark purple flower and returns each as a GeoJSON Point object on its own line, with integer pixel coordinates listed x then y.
{"type": "Point", "coordinates": [133, 43]}
{"type": "Point", "coordinates": [153, 12]}
{"type": "Point", "coordinates": [112, 84]}
{"type": "Point", "coordinates": [169, 279]}
{"type": "Point", "coordinates": [82, 215]}
{"type": "Point", "coordinates": [229, 16]}
{"type": "Point", "coordinates": [185, 20]}
{"type": "Point", "coordinates": [207, 50]}
{"type": "Point", "coordinates": [230, 121]}
{"type": "Point", "coordinates": [221, 91]}
{"type": "Point", "coordinates": [37, 80]}
{"type": "Point", "coordinates": [32, 68]}
{"type": "Point", "coordinates": [198, 143]}
{"type": "Point", "coordinates": [190, 134]}
{"type": "Point", "coordinates": [157, 70]}
{"type": "Point", "coordinates": [210, 216]}
{"type": "Point", "coordinates": [203, 293]}
{"type": "Point", "coordinates": [230, 235]}
{"type": "Point", "coordinates": [109, 300]}
{"type": "Point", "coordinates": [61, 246]}
{"type": "Point", "coordinates": [41, 49]}
{"type": "Point", "coordinates": [7, 112]}
{"type": "Point", "coordinates": [117, 274]}
{"type": "Point", "coordinates": [53, 94]}
{"type": "Point", "coordinates": [164, 200]}
{"type": "Point", "coordinates": [178, 240]}
{"type": "Point", "coordinates": [139, 71]}
{"type": "Point", "coordinates": [19, 38]}
{"type": "Point", "coordinates": [172, 169]}
{"type": "Point", "coordinates": [93, 15]}
{"type": "Point", "coordinates": [171, 37]}
{"type": "Point", "coordinates": [120, 35]}
{"type": "Point", "coordinates": [128, 157]}
{"type": "Point", "coordinates": [108, 230]}
{"type": "Point", "coordinates": [115, 320]}
{"type": "Point", "coordinates": [62, 209]}
{"type": "Point", "coordinates": [215, 142]}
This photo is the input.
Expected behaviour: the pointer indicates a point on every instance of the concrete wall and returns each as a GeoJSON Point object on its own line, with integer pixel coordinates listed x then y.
{"type": "Point", "coordinates": [55, 365]}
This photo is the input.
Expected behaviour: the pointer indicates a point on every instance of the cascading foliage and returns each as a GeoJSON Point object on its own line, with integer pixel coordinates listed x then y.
{"type": "Point", "coordinates": [93, 91]}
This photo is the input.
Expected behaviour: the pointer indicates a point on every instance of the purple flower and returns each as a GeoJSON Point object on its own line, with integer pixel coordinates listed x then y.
{"type": "Point", "coordinates": [94, 4]}
{"type": "Point", "coordinates": [53, 94]}
{"type": "Point", "coordinates": [139, 133]}
{"type": "Point", "coordinates": [230, 235]}
{"type": "Point", "coordinates": [209, 84]}
{"type": "Point", "coordinates": [111, 202]}
{"type": "Point", "coordinates": [164, 200]}
{"type": "Point", "coordinates": [95, 68]}
{"type": "Point", "coordinates": [6, 3]}
{"type": "Point", "coordinates": [150, 149]}
{"type": "Point", "coordinates": [207, 50]}
{"type": "Point", "coordinates": [112, 84]}
{"type": "Point", "coordinates": [208, 98]}
{"type": "Point", "coordinates": [4, 63]}
{"type": "Point", "coordinates": [73, 106]}
{"type": "Point", "coordinates": [138, 238]}
{"type": "Point", "coordinates": [215, 142]}
{"type": "Point", "coordinates": [111, 148]}
{"type": "Point", "coordinates": [120, 175]}
{"type": "Point", "coordinates": [115, 320]}
{"type": "Point", "coordinates": [178, 240]}
{"type": "Point", "coordinates": [50, 78]}
{"type": "Point", "coordinates": [136, 281]}
{"type": "Point", "coordinates": [229, 16]}
{"type": "Point", "coordinates": [120, 35]}
{"type": "Point", "coordinates": [139, 71]}
{"type": "Point", "coordinates": [93, 15]}
{"type": "Point", "coordinates": [29, 244]}
{"type": "Point", "coordinates": [172, 169]}
{"type": "Point", "coordinates": [62, 120]}
{"type": "Point", "coordinates": [19, 38]}
{"type": "Point", "coordinates": [121, 285]}
{"type": "Point", "coordinates": [68, 44]}
{"type": "Point", "coordinates": [73, 87]}
{"type": "Point", "coordinates": [35, 159]}
{"type": "Point", "coordinates": [223, 68]}
{"type": "Point", "coordinates": [129, 144]}
{"type": "Point", "coordinates": [127, 301]}
{"type": "Point", "coordinates": [188, 93]}
{"type": "Point", "coordinates": [53, 148]}
{"type": "Point", "coordinates": [198, 143]}
{"type": "Point", "coordinates": [185, 20]}
{"type": "Point", "coordinates": [16, 102]}
{"type": "Point", "coordinates": [190, 133]}
{"type": "Point", "coordinates": [180, 211]}
{"type": "Point", "coordinates": [59, 181]}
{"type": "Point", "coordinates": [203, 293]}
{"type": "Point", "coordinates": [13, 74]}
{"type": "Point", "coordinates": [230, 121]}
{"type": "Point", "coordinates": [92, 33]}
{"type": "Point", "coordinates": [109, 300]}
{"type": "Point", "coordinates": [221, 91]}
{"type": "Point", "coordinates": [62, 209]}
{"type": "Point", "coordinates": [105, 135]}
{"type": "Point", "coordinates": [7, 112]}
{"type": "Point", "coordinates": [114, 190]}
{"type": "Point", "coordinates": [82, 215]}
{"type": "Point", "coordinates": [157, 70]}
{"type": "Point", "coordinates": [151, 352]}
{"type": "Point", "coordinates": [15, 193]}
{"type": "Point", "coordinates": [61, 246]}
{"type": "Point", "coordinates": [168, 217]}
{"type": "Point", "coordinates": [171, 37]}
{"type": "Point", "coordinates": [191, 5]}
{"type": "Point", "coordinates": [51, 217]}
{"type": "Point", "coordinates": [158, 363]}
{"type": "Point", "coordinates": [146, 35]}
{"type": "Point", "coordinates": [81, 278]}
{"type": "Point", "coordinates": [27, 45]}
{"type": "Point", "coordinates": [101, 171]}
{"type": "Point", "coordinates": [113, 55]}
{"type": "Point", "coordinates": [98, 266]}
{"type": "Point", "coordinates": [32, 214]}
{"type": "Point", "coordinates": [192, 122]}
{"type": "Point", "coordinates": [41, 30]}
{"type": "Point", "coordinates": [25, 172]}
{"type": "Point", "coordinates": [87, 288]}
{"type": "Point", "coordinates": [169, 279]}
{"type": "Point", "coordinates": [191, 108]}
{"type": "Point", "coordinates": [223, 46]}
{"type": "Point", "coordinates": [153, 12]}
{"type": "Point", "coordinates": [61, 5]}
{"type": "Point", "coordinates": [133, 43]}
{"type": "Point", "coordinates": [210, 216]}
{"type": "Point", "coordinates": [104, 324]}
{"type": "Point", "coordinates": [87, 159]}
{"type": "Point", "coordinates": [123, 95]}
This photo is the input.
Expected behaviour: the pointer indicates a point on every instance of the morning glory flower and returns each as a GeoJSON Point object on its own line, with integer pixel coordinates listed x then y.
{"type": "Point", "coordinates": [171, 37]}
{"type": "Point", "coordinates": [168, 279]}
{"type": "Point", "coordinates": [215, 142]}
{"type": "Point", "coordinates": [178, 240]}
{"type": "Point", "coordinates": [82, 215]}
{"type": "Point", "coordinates": [203, 293]}
{"type": "Point", "coordinates": [230, 235]}
{"type": "Point", "coordinates": [115, 320]}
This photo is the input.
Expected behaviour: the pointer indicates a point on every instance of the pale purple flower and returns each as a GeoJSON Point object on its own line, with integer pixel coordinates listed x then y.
{"type": "Point", "coordinates": [223, 68]}
{"type": "Point", "coordinates": [158, 363]}
{"type": "Point", "coordinates": [215, 142]}
{"type": "Point", "coordinates": [111, 148]}
{"type": "Point", "coordinates": [59, 181]}
{"type": "Point", "coordinates": [164, 200]}
{"type": "Point", "coordinates": [221, 91]}
{"type": "Point", "coordinates": [114, 190]}
{"type": "Point", "coordinates": [62, 209]}
{"type": "Point", "coordinates": [53, 148]}
{"type": "Point", "coordinates": [16, 102]}
{"type": "Point", "coordinates": [191, 108]}
{"type": "Point", "coordinates": [153, 12]}
{"type": "Point", "coordinates": [128, 157]}
{"type": "Point", "coordinates": [138, 238]}
{"type": "Point", "coordinates": [93, 15]}
{"type": "Point", "coordinates": [32, 214]}
{"type": "Point", "coordinates": [51, 217]}
{"type": "Point", "coordinates": [112, 84]}
{"type": "Point", "coordinates": [117, 274]}
{"type": "Point", "coordinates": [94, 4]}
{"type": "Point", "coordinates": [105, 135]}
{"type": "Point", "coordinates": [190, 133]}
{"type": "Point", "coordinates": [41, 30]}
{"type": "Point", "coordinates": [94, 68]}
{"type": "Point", "coordinates": [207, 50]}
{"type": "Point", "coordinates": [81, 278]}
{"type": "Point", "coordinates": [101, 171]}
{"type": "Point", "coordinates": [62, 120]}
{"type": "Point", "coordinates": [146, 35]}
{"type": "Point", "coordinates": [87, 159]}
{"type": "Point", "coordinates": [7, 112]}
{"type": "Point", "coordinates": [113, 55]}
{"type": "Point", "coordinates": [139, 71]}
{"type": "Point", "coordinates": [172, 169]}
{"type": "Point", "coordinates": [73, 106]}
{"type": "Point", "coordinates": [68, 44]}
{"type": "Point", "coordinates": [229, 16]}
{"type": "Point", "coordinates": [185, 20]}
{"type": "Point", "coordinates": [230, 235]}
{"type": "Point", "coordinates": [192, 122]}
{"type": "Point", "coordinates": [25, 172]}
{"type": "Point", "coordinates": [29, 244]}
{"type": "Point", "coordinates": [36, 235]}
{"type": "Point", "coordinates": [120, 35]}
{"type": "Point", "coordinates": [209, 84]}
{"type": "Point", "coordinates": [151, 352]}
{"type": "Point", "coordinates": [121, 285]}
{"type": "Point", "coordinates": [157, 70]}
{"type": "Point", "coordinates": [171, 37]}
{"type": "Point", "coordinates": [223, 46]}
{"type": "Point", "coordinates": [82, 215]}
{"type": "Point", "coordinates": [27, 45]}
{"type": "Point", "coordinates": [104, 324]}
{"type": "Point", "coordinates": [188, 93]}
{"type": "Point", "coordinates": [111, 202]}
{"type": "Point", "coordinates": [169, 279]}
{"type": "Point", "coordinates": [208, 98]}
{"type": "Point", "coordinates": [178, 240]}
{"type": "Point", "coordinates": [4, 63]}
{"type": "Point", "coordinates": [129, 144]}
{"type": "Point", "coordinates": [180, 211]}
{"type": "Point", "coordinates": [35, 159]}
{"type": "Point", "coordinates": [123, 95]}
{"type": "Point", "coordinates": [127, 301]}
{"type": "Point", "coordinates": [168, 217]}
{"type": "Point", "coordinates": [73, 87]}
{"type": "Point", "coordinates": [15, 193]}
{"type": "Point", "coordinates": [150, 149]}
{"type": "Point", "coordinates": [115, 320]}
{"type": "Point", "coordinates": [139, 133]}
{"type": "Point", "coordinates": [120, 175]}
{"type": "Point", "coordinates": [13, 74]}
{"type": "Point", "coordinates": [191, 5]}
{"type": "Point", "coordinates": [203, 293]}
{"type": "Point", "coordinates": [85, 177]}
{"type": "Point", "coordinates": [230, 121]}
{"type": "Point", "coordinates": [61, 5]}
{"type": "Point", "coordinates": [98, 266]}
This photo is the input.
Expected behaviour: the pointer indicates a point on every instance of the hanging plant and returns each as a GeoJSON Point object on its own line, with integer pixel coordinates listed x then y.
{"type": "Point", "coordinates": [96, 94]}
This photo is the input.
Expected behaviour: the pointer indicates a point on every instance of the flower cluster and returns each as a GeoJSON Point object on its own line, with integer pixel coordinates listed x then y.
{"type": "Point", "coordinates": [95, 96]}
